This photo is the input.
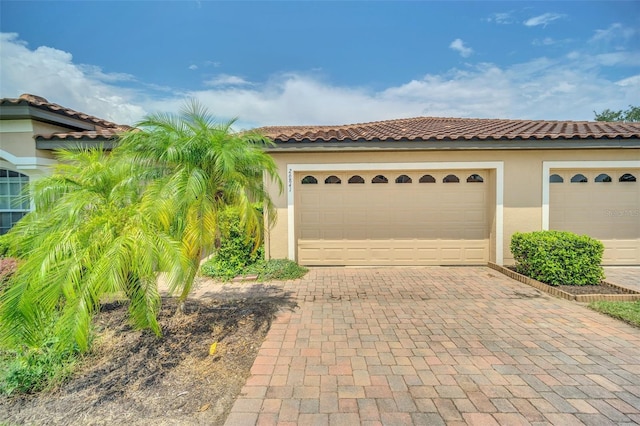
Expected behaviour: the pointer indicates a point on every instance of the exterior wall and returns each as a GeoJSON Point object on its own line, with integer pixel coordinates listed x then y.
{"type": "Point", "coordinates": [18, 147]}
{"type": "Point", "coordinates": [523, 170]}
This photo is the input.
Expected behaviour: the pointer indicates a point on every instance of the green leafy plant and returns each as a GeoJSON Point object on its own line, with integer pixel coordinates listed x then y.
{"type": "Point", "coordinates": [237, 248]}
{"type": "Point", "coordinates": [558, 258]}
{"type": "Point", "coordinates": [626, 311]}
{"type": "Point", "coordinates": [276, 270]}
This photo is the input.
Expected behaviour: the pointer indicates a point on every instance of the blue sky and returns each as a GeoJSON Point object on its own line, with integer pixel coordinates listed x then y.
{"type": "Point", "coordinates": [325, 62]}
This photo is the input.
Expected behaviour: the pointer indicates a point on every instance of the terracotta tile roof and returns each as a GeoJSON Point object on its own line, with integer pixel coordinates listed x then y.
{"type": "Point", "coordinates": [104, 134]}
{"type": "Point", "coordinates": [443, 129]}
{"type": "Point", "coordinates": [42, 103]}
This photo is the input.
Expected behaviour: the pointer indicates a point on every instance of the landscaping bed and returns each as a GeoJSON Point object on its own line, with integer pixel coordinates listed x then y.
{"type": "Point", "coordinates": [132, 377]}
{"type": "Point", "coordinates": [605, 291]}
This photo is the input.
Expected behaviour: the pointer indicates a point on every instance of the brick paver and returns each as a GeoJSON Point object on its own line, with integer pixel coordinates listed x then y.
{"type": "Point", "coordinates": [437, 346]}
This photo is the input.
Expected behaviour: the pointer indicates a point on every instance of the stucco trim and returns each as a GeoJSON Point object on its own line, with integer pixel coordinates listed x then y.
{"type": "Point", "coordinates": [498, 166]}
{"type": "Point", "coordinates": [547, 166]}
{"type": "Point", "coordinates": [26, 163]}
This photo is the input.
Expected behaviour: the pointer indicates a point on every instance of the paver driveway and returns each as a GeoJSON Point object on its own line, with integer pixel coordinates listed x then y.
{"type": "Point", "coordinates": [439, 345]}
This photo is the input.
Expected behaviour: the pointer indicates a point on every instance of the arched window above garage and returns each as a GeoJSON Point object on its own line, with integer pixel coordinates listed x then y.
{"type": "Point", "coordinates": [427, 179]}
{"type": "Point", "coordinates": [579, 178]}
{"type": "Point", "coordinates": [555, 179]}
{"type": "Point", "coordinates": [333, 180]}
{"type": "Point", "coordinates": [309, 180]}
{"type": "Point", "coordinates": [451, 179]}
{"type": "Point", "coordinates": [356, 179]}
{"type": "Point", "coordinates": [627, 177]}
{"type": "Point", "coordinates": [603, 177]}
{"type": "Point", "coordinates": [403, 179]}
{"type": "Point", "coordinates": [379, 179]}
{"type": "Point", "coordinates": [475, 178]}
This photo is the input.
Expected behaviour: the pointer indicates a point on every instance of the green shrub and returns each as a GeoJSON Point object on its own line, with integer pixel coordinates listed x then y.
{"type": "Point", "coordinates": [558, 258]}
{"type": "Point", "coordinates": [236, 250]}
{"type": "Point", "coordinates": [30, 370]}
{"type": "Point", "coordinates": [276, 269]}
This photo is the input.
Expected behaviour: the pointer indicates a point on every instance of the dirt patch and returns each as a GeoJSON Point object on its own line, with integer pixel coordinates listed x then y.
{"type": "Point", "coordinates": [134, 378]}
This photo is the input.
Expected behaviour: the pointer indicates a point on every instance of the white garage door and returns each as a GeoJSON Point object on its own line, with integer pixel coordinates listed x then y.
{"type": "Point", "coordinates": [392, 218]}
{"type": "Point", "coordinates": [604, 204]}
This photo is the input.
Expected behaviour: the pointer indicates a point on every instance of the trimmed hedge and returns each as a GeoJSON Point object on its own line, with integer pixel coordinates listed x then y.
{"type": "Point", "coordinates": [558, 258]}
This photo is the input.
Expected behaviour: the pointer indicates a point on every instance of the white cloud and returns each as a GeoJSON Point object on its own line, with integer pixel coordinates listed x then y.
{"type": "Point", "coordinates": [226, 80]}
{"type": "Point", "coordinates": [562, 88]}
{"type": "Point", "coordinates": [502, 18]}
{"type": "Point", "coordinates": [193, 67]}
{"type": "Point", "coordinates": [458, 46]}
{"type": "Point", "coordinates": [51, 73]}
{"type": "Point", "coordinates": [615, 33]}
{"type": "Point", "coordinates": [543, 19]}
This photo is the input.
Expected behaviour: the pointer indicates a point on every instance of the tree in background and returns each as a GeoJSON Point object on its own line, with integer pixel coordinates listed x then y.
{"type": "Point", "coordinates": [107, 224]}
{"type": "Point", "coordinates": [631, 115]}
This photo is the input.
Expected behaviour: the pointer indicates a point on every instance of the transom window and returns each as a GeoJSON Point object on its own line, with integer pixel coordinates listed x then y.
{"type": "Point", "coordinates": [403, 179]}
{"type": "Point", "coordinates": [579, 178]}
{"type": "Point", "coordinates": [333, 179]}
{"type": "Point", "coordinates": [427, 179]}
{"type": "Point", "coordinates": [603, 177]}
{"type": "Point", "coordinates": [309, 180]}
{"type": "Point", "coordinates": [12, 207]}
{"type": "Point", "coordinates": [356, 179]}
{"type": "Point", "coordinates": [555, 179]}
{"type": "Point", "coordinates": [451, 179]}
{"type": "Point", "coordinates": [379, 179]}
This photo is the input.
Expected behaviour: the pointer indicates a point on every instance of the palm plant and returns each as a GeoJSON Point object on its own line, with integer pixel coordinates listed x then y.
{"type": "Point", "coordinates": [199, 167]}
{"type": "Point", "coordinates": [88, 236]}
{"type": "Point", "coordinates": [106, 223]}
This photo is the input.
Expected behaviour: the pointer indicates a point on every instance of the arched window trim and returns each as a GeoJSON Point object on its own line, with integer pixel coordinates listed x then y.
{"type": "Point", "coordinates": [333, 180]}
{"type": "Point", "coordinates": [309, 180]}
{"type": "Point", "coordinates": [451, 179]}
{"type": "Point", "coordinates": [404, 179]}
{"type": "Point", "coordinates": [579, 178]}
{"type": "Point", "coordinates": [356, 179]}
{"type": "Point", "coordinates": [427, 179]}
{"type": "Point", "coordinates": [380, 179]}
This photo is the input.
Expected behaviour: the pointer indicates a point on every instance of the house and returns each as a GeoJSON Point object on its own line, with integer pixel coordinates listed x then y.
{"type": "Point", "coordinates": [450, 191]}
{"type": "Point", "coordinates": [30, 129]}
{"type": "Point", "coordinates": [418, 191]}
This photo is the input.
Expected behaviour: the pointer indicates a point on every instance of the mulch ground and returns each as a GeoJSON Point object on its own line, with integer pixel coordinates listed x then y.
{"type": "Point", "coordinates": [135, 378]}
{"type": "Point", "coordinates": [591, 289]}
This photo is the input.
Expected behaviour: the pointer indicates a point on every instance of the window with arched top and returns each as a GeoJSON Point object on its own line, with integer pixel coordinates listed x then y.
{"type": "Point", "coordinates": [427, 179]}
{"type": "Point", "coordinates": [627, 177]}
{"type": "Point", "coordinates": [356, 179]}
{"type": "Point", "coordinates": [603, 177]}
{"type": "Point", "coordinates": [556, 179]}
{"type": "Point", "coordinates": [309, 180]}
{"type": "Point", "coordinates": [333, 179]}
{"type": "Point", "coordinates": [12, 206]}
{"type": "Point", "coordinates": [475, 178]}
{"type": "Point", "coordinates": [451, 179]}
{"type": "Point", "coordinates": [403, 179]}
{"type": "Point", "coordinates": [379, 179]}
{"type": "Point", "coordinates": [579, 178]}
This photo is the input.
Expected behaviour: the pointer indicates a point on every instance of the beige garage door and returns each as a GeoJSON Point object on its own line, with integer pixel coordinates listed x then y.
{"type": "Point", "coordinates": [604, 204]}
{"type": "Point", "coordinates": [392, 218]}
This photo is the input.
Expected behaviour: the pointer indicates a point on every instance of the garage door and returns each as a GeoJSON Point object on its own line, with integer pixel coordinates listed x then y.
{"type": "Point", "coordinates": [604, 204]}
{"type": "Point", "coordinates": [392, 218]}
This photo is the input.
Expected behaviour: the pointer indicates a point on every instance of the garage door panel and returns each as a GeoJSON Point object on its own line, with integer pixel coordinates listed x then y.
{"type": "Point", "coordinates": [394, 223]}
{"type": "Point", "coordinates": [608, 211]}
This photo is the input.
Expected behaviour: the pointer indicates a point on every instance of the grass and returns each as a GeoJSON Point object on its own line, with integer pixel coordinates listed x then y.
{"type": "Point", "coordinates": [626, 311]}
{"type": "Point", "coordinates": [266, 270]}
